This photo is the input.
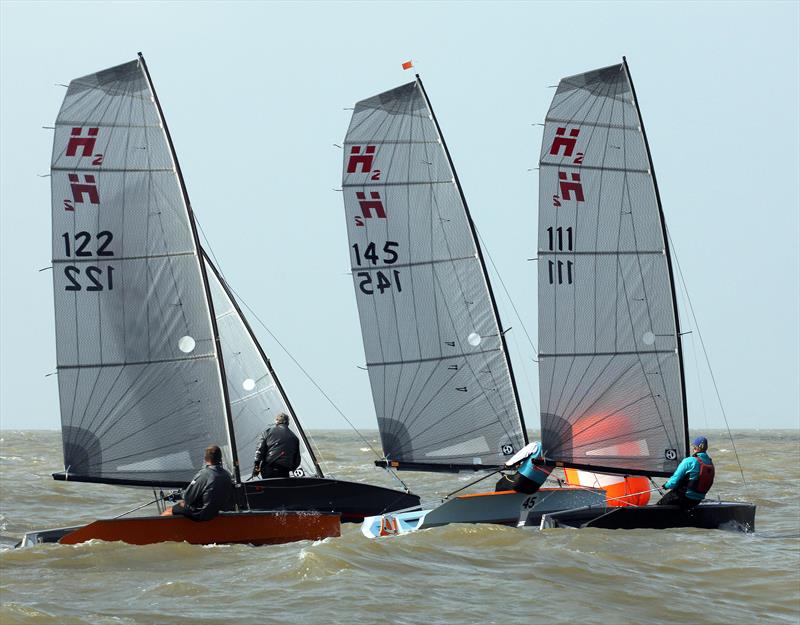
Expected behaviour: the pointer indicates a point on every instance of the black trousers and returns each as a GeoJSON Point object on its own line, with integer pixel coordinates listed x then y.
{"type": "Point", "coordinates": [274, 471]}
{"type": "Point", "coordinates": [677, 497]}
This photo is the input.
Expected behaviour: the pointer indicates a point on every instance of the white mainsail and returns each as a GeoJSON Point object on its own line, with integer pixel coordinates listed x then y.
{"type": "Point", "coordinates": [441, 381]}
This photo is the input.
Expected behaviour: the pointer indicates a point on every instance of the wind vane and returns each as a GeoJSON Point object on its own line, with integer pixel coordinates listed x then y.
{"type": "Point", "coordinates": [408, 65]}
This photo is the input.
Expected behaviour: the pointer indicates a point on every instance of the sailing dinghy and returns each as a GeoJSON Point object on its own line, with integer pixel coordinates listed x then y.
{"type": "Point", "coordinates": [155, 359]}
{"type": "Point", "coordinates": [611, 375]}
{"type": "Point", "coordinates": [441, 379]}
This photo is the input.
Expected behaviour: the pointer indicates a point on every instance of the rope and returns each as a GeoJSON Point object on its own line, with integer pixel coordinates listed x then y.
{"type": "Point", "coordinates": [299, 366]}
{"type": "Point", "coordinates": [472, 483]}
{"type": "Point", "coordinates": [708, 361]}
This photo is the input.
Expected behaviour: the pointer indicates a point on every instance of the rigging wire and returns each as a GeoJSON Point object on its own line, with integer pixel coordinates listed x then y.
{"type": "Point", "coordinates": [705, 353]}
{"type": "Point", "coordinates": [508, 295]}
{"type": "Point", "coordinates": [299, 366]}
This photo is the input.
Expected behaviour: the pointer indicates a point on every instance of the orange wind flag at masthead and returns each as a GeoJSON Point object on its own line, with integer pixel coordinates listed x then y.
{"type": "Point", "coordinates": [408, 65]}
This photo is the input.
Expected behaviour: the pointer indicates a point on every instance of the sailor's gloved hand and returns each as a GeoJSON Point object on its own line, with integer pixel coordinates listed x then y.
{"type": "Point", "coordinates": [256, 471]}
{"type": "Point", "coordinates": [173, 496]}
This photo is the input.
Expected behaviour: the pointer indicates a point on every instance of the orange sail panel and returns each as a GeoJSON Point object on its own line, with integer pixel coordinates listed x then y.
{"type": "Point", "coordinates": [620, 490]}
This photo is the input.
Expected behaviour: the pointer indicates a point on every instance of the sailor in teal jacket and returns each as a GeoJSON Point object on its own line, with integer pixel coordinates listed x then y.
{"type": "Point", "coordinates": [531, 474]}
{"type": "Point", "coordinates": [692, 479]}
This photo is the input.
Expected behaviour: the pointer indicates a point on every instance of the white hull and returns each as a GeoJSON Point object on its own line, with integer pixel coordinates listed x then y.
{"type": "Point", "coordinates": [502, 508]}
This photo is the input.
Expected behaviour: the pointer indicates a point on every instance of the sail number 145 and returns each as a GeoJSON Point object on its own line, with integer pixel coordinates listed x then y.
{"type": "Point", "coordinates": [381, 280]}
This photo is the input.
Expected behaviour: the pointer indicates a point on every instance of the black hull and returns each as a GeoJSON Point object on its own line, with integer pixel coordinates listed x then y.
{"type": "Point", "coordinates": [352, 500]}
{"type": "Point", "coordinates": [725, 515]}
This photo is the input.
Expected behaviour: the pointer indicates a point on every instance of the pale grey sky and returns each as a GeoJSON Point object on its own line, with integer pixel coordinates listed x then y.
{"type": "Point", "coordinates": [255, 93]}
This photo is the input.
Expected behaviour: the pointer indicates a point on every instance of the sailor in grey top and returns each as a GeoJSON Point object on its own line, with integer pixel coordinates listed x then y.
{"type": "Point", "coordinates": [210, 491]}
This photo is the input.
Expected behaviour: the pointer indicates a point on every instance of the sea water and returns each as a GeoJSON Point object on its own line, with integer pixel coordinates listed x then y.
{"type": "Point", "coordinates": [454, 574]}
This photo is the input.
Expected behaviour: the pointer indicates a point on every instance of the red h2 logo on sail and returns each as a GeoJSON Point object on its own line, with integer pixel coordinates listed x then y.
{"type": "Point", "coordinates": [568, 187]}
{"type": "Point", "coordinates": [87, 188]}
{"type": "Point", "coordinates": [374, 203]}
{"type": "Point", "coordinates": [361, 157]}
{"type": "Point", "coordinates": [561, 140]}
{"type": "Point", "coordinates": [85, 143]}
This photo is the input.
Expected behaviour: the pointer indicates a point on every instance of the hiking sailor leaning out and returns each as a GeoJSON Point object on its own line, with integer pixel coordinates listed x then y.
{"type": "Point", "coordinates": [692, 479]}
{"type": "Point", "coordinates": [530, 475]}
{"type": "Point", "coordinates": [210, 491]}
{"type": "Point", "coordinates": [278, 451]}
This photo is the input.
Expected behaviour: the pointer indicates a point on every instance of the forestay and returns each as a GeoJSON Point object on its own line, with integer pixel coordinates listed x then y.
{"type": "Point", "coordinates": [139, 379]}
{"type": "Point", "coordinates": [254, 391]}
{"type": "Point", "coordinates": [441, 382]}
{"type": "Point", "coordinates": [610, 370]}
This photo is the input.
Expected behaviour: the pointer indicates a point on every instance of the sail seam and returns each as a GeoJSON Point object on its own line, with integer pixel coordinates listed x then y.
{"type": "Point", "coordinates": [104, 124]}
{"type": "Point", "coordinates": [602, 253]}
{"type": "Point", "coordinates": [135, 363]}
{"type": "Point", "coordinates": [112, 170]}
{"type": "Point", "coordinates": [435, 358]}
{"type": "Point", "coordinates": [594, 167]}
{"type": "Point", "coordinates": [630, 353]}
{"type": "Point", "coordinates": [417, 264]}
{"type": "Point", "coordinates": [94, 259]}
{"type": "Point", "coordinates": [388, 141]}
{"type": "Point", "coordinates": [395, 184]}
{"type": "Point", "coordinates": [559, 120]}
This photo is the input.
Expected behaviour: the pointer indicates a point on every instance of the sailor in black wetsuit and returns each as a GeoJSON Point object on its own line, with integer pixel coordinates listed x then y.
{"type": "Point", "coordinates": [210, 491]}
{"type": "Point", "coordinates": [278, 450]}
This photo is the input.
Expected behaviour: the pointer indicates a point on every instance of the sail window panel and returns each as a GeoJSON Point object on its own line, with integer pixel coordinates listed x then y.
{"type": "Point", "coordinates": [620, 411]}
{"type": "Point", "coordinates": [433, 316]}
{"type": "Point", "coordinates": [142, 214]}
{"type": "Point", "coordinates": [117, 147]}
{"type": "Point", "coordinates": [599, 97]}
{"type": "Point", "coordinates": [396, 162]}
{"type": "Point", "coordinates": [618, 212]}
{"type": "Point", "coordinates": [612, 304]}
{"type": "Point", "coordinates": [252, 391]}
{"type": "Point", "coordinates": [116, 416]}
{"type": "Point", "coordinates": [140, 311]}
{"type": "Point", "coordinates": [593, 146]}
{"type": "Point", "coordinates": [119, 95]}
{"type": "Point", "coordinates": [427, 410]}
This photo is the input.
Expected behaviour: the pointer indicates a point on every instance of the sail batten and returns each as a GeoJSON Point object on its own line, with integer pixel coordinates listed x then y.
{"type": "Point", "coordinates": [611, 379]}
{"type": "Point", "coordinates": [441, 381]}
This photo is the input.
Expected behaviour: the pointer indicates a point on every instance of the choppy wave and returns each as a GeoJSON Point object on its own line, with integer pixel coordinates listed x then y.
{"type": "Point", "coordinates": [453, 574]}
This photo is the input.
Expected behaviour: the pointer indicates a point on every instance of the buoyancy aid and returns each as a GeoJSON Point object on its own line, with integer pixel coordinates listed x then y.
{"type": "Point", "coordinates": [705, 478]}
{"type": "Point", "coordinates": [535, 472]}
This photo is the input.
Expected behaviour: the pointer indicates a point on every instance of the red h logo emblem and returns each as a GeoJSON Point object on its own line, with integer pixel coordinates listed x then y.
{"type": "Point", "coordinates": [374, 203]}
{"type": "Point", "coordinates": [363, 159]}
{"type": "Point", "coordinates": [85, 143]}
{"type": "Point", "coordinates": [562, 141]}
{"type": "Point", "coordinates": [89, 187]}
{"type": "Point", "coordinates": [569, 187]}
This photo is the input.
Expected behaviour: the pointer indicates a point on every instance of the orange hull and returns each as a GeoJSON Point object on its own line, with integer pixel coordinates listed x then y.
{"type": "Point", "coordinates": [255, 528]}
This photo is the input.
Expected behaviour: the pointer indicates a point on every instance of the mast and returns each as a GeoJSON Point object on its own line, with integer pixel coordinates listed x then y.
{"type": "Point", "coordinates": [669, 261]}
{"type": "Point", "coordinates": [480, 257]}
{"type": "Point", "coordinates": [213, 319]}
{"type": "Point", "coordinates": [266, 360]}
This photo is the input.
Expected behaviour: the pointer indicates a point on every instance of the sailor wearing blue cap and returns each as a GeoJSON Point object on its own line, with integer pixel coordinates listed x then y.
{"type": "Point", "coordinates": [692, 479]}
